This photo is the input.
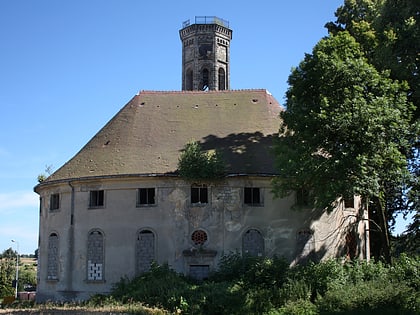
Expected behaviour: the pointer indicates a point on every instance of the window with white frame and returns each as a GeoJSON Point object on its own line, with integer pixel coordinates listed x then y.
{"type": "Point", "coordinates": [199, 194]}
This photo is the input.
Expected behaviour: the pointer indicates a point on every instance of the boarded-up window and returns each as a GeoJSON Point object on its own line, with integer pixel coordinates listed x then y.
{"type": "Point", "coordinates": [145, 250]}
{"type": "Point", "coordinates": [199, 272]}
{"type": "Point", "coordinates": [253, 243]}
{"type": "Point", "coordinates": [95, 256]}
{"type": "Point", "coordinates": [52, 263]}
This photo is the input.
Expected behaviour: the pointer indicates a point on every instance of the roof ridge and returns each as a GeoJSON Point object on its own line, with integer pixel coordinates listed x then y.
{"type": "Point", "coordinates": [200, 92]}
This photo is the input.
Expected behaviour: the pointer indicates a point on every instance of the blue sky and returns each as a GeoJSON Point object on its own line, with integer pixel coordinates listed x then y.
{"type": "Point", "coordinates": [67, 67]}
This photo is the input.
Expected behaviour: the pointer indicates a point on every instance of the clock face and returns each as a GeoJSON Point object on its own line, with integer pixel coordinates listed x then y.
{"type": "Point", "coordinates": [205, 50]}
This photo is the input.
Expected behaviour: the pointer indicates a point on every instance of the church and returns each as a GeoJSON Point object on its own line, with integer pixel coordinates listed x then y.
{"type": "Point", "coordinates": [119, 204]}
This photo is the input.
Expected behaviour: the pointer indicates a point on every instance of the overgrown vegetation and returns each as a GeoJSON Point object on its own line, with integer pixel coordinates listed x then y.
{"type": "Point", "coordinates": [196, 164]}
{"type": "Point", "coordinates": [250, 285]}
{"type": "Point", "coordinates": [27, 273]}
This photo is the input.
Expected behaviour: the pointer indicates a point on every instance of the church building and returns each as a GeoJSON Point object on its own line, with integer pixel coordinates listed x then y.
{"type": "Point", "coordinates": [119, 204]}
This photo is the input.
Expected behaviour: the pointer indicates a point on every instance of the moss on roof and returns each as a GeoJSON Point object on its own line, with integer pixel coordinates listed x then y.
{"type": "Point", "coordinates": [148, 134]}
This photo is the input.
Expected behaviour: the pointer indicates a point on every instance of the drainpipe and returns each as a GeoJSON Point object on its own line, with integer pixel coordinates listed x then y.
{"type": "Point", "coordinates": [70, 252]}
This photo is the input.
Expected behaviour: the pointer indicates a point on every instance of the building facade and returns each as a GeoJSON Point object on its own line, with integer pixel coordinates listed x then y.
{"type": "Point", "coordinates": [118, 205]}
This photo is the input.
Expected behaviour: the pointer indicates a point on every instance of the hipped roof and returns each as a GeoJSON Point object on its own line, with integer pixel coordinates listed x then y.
{"type": "Point", "coordinates": [147, 136]}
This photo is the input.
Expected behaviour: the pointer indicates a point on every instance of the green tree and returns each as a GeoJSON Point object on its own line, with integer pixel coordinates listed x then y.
{"type": "Point", "coordinates": [345, 130]}
{"type": "Point", "coordinates": [389, 34]}
{"type": "Point", "coordinates": [195, 164]}
{"type": "Point", "coordinates": [7, 272]}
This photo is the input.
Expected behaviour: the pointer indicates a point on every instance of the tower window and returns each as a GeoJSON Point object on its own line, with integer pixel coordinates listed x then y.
{"type": "Point", "coordinates": [205, 80]}
{"type": "Point", "coordinates": [189, 80]}
{"type": "Point", "coordinates": [222, 79]}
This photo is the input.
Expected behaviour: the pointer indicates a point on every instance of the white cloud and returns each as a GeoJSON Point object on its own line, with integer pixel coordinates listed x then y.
{"type": "Point", "coordinates": [18, 199]}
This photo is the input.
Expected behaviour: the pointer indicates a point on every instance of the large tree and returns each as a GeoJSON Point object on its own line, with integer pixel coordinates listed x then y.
{"type": "Point", "coordinates": [389, 34]}
{"type": "Point", "coordinates": [346, 129]}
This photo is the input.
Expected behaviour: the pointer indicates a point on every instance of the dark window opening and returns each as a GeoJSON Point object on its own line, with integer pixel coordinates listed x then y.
{"type": "Point", "coordinates": [222, 79]}
{"type": "Point", "coordinates": [252, 196]}
{"type": "Point", "coordinates": [189, 81]}
{"type": "Point", "coordinates": [54, 201]}
{"type": "Point", "coordinates": [199, 194]}
{"type": "Point", "coordinates": [349, 202]}
{"type": "Point", "coordinates": [146, 196]}
{"type": "Point", "coordinates": [302, 197]}
{"type": "Point", "coordinates": [205, 80]}
{"type": "Point", "coordinates": [96, 198]}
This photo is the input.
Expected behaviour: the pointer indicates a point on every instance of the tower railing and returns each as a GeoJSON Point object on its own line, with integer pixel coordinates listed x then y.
{"type": "Point", "coordinates": [207, 20]}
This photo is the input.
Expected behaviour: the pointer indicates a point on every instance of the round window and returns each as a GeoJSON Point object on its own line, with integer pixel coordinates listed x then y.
{"type": "Point", "coordinates": [199, 237]}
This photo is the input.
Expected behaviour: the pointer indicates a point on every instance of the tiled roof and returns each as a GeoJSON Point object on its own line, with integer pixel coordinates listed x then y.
{"type": "Point", "coordinates": [148, 134]}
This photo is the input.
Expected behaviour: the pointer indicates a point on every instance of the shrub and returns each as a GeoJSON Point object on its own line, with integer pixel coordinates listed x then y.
{"type": "Point", "coordinates": [298, 307]}
{"type": "Point", "coordinates": [195, 164]}
{"type": "Point", "coordinates": [161, 287]}
{"type": "Point", "coordinates": [369, 296]}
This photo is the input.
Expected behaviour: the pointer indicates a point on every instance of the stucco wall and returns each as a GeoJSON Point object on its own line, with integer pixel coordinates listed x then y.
{"type": "Point", "coordinates": [294, 234]}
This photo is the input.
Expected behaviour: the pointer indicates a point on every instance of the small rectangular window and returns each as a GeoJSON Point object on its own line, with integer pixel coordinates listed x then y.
{"type": "Point", "coordinates": [96, 198]}
{"type": "Point", "coordinates": [199, 272]}
{"type": "Point", "coordinates": [252, 196]}
{"type": "Point", "coordinates": [55, 202]}
{"type": "Point", "coordinates": [199, 194]}
{"type": "Point", "coordinates": [349, 202]}
{"type": "Point", "coordinates": [302, 197]}
{"type": "Point", "coordinates": [146, 196]}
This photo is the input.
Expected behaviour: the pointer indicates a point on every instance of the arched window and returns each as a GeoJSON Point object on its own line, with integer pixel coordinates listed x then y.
{"type": "Point", "coordinates": [222, 79]}
{"type": "Point", "coordinates": [205, 80]}
{"type": "Point", "coordinates": [95, 256]}
{"type": "Point", "coordinates": [189, 80]}
{"type": "Point", "coordinates": [145, 250]}
{"type": "Point", "coordinates": [52, 263]}
{"type": "Point", "coordinates": [253, 243]}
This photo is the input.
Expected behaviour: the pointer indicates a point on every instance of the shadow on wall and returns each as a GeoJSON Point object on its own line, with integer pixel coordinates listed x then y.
{"type": "Point", "coordinates": [252, 153]}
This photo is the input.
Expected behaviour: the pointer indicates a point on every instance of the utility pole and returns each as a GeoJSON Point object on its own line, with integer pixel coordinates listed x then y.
{"type": "Point", "coordinates": [17, 268]}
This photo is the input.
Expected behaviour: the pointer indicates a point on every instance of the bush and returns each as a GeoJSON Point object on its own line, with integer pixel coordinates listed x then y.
{"type": "Point", "coordinates": [370, 296]}
{"type": "Point", "coordinates": [255, 285]}
{"type": "Point", "coordinates": [161, 287]}
{"type": "Point", "coordinates": [298, 307]}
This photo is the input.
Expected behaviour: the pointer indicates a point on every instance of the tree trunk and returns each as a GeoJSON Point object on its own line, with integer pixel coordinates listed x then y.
{"type": "Point", "coordinates": [384, 230]}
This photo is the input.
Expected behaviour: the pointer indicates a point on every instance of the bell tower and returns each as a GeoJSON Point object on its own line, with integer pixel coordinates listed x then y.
{"type": "Point", "coordinates": [205, 54]}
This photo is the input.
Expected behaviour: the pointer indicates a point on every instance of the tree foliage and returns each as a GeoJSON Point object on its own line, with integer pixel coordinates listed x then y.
{"type": "Point", "coordinates": [347, 127]}
{"type": "Point", "coordinates": [195, 164]}
{"type": "Point", "coordinates": [7, 272]}
{"type": "Point", "coordinates": [389, 34]}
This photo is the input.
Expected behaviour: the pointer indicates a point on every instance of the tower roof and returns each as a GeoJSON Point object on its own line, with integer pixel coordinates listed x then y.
{"type": "Point", "coordinates": [147, 136]}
